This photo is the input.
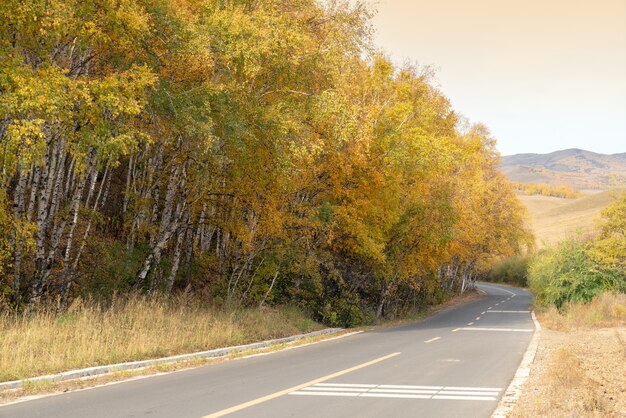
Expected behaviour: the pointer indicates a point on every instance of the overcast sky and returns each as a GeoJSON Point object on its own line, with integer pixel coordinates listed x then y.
{"type": "Point", "coordinates": [543, 75]}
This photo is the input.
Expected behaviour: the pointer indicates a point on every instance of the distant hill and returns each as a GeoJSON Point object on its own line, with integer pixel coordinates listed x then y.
{"type": "Point", "coordinates": [580, 169]}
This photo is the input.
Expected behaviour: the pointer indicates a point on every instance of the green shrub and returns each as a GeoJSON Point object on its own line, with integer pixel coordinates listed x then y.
{"type": "Point", "coordinates": [512, 270]}
{"type": "Point", "coordinates": [566, 273]}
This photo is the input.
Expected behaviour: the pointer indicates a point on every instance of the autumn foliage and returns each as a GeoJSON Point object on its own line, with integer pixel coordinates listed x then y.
{"type": "Point", "coordinates": [542, 189]}
{"type": "Point", "coordinates": [255, 152]}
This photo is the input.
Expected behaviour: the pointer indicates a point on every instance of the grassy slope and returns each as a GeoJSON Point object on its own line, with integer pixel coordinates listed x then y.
{"type": "Point", "coordinates": [554, 219]}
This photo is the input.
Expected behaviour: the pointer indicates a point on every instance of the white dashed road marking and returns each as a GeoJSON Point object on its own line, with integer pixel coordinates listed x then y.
{"type": "Point", "coordinates": [509, 311]}
{"type": "Point", "coordinates": [400, 391]}
{"type": "Point", "coordinates": [497, 329]}
{"type": "Point", "coordinates": [432, 339]}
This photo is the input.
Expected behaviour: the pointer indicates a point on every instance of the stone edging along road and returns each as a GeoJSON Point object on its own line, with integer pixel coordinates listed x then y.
{"type": "Point", "coordinates": [131, 365]}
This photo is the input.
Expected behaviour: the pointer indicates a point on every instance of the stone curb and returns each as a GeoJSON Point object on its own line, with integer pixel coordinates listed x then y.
{"type": "Point", "coordinates": [131, 365]}
{"type": "Point", "coordinates": [514, 390]}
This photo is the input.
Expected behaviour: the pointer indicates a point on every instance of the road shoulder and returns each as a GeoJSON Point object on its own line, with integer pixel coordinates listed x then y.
{"type": "Point", "coordinates": [577, 373]}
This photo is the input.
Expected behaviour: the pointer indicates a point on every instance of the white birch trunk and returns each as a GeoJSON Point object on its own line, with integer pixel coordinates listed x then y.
{"type": "Point", "coordinates": [18, 211]}
{"type": "Point", "coordinates": [75, 206]}
{"type": "Point", "coordinates": [177, 253]}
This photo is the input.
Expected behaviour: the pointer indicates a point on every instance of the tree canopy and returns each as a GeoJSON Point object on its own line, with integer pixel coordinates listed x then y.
{"type": "Point", "coordinates": [252, 151]}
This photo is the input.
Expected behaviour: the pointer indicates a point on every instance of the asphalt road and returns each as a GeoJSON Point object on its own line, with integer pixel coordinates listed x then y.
{"type": "Point", "coordinates": [456, 363]}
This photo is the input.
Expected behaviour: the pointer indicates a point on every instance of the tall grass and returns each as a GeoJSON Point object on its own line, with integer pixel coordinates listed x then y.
{"type": "Point", "coordinates": [130, 328]}
{"type": "Point", "coordinates": [605, 310]}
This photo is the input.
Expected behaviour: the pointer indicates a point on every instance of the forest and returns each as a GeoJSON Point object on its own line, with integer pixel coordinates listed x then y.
{"type": "Point", "coordinates": [246, 152]}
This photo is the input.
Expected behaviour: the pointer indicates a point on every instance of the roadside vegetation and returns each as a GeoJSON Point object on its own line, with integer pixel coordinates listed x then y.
{"type": "Point", "coordinates": [568, 273]}
{"type": "Point", "coordinates": [580, 289]}
{"type": "Point", "coordinates": [577, 270]}
{"type": "Point", "coordinates": [510, 270]}
{"type": "Point", "coordinates": [131, 328]}
{"type": "Point", "coordinates": [604, 310]}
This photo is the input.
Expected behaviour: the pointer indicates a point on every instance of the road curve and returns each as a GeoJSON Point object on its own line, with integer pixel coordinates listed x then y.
{"type": "Point", "coordinates": [456, 363]}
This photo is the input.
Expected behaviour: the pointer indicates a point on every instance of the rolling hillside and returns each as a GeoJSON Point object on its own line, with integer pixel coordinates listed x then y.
{"type": "Point", "coordinates": [580, 169]}
{"type": "Point", "coordinates": [554, 219]}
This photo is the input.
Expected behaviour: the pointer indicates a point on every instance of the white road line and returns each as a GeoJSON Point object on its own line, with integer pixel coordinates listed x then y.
{"type": "Point", "coordinates": [467, 392]}
{"type": "Point", "coordinates": [497, 304]}
{"type": "Point", "coordinates": [456, 329]}
{"type": "Point", "coordinates": [483, 312]}
{"type": "Point", "coordinates": [491, 307]}
{"type": "Point", "coordinates": [465, 398]}
{"type": "Point", "coordinates": [499, 288]}
{"type": "Point", "coordinates": [400, 391]}
{"type": "Point", "coordinates": [470, 323]}
{"type": "Point", "coordinates": [497, 329]}
{"type": "Point", "coordinates": [432, 392]}
{"type": "Point", "coordinates": [298, 392]}
{"type": "Point", "coordinates": [510, 311]}
{"type": "Point", "coordinates": [432, 339]}
{"type": "Point", "coordinates": [296, 388]}
{"type": "Point", "coordinates": [394, 395]}
{"type": "Point", "coordinates": [410, 387]}
{"type": "Point", "coordinates": [471, 388]}
{"type": "Point", "coordinates": [343, 389]}
{"type": "Point", "coordinates": [397, 395]}
{"type": "Point", "coordinates": [391, 388]}
{"type": "Point", "coordinates": [504, 301]}
{"type": "Point", "coordinates": [477, 318]}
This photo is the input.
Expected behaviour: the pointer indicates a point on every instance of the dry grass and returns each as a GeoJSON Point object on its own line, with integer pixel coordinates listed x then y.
{"type": "Point", "coordinates": [554, 219]}
{"type": "Point", "coordinates": [580, 368]}
{"type": "Point", "coordinates": [31, 388]}
{"type": "Point", "coordinates": [606, 310]}
{"type": "Point", "coordinates": [132, 328]}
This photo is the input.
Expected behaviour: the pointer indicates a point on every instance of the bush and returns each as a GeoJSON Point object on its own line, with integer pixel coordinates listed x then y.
{"type": "Point", "coordinates": [566, 273]}
{"type": "Point", "coordinates": [512, 270]}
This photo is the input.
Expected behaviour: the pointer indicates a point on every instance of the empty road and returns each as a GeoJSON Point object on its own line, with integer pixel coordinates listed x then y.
{"type": "Point", "coordinates": [456, 363]}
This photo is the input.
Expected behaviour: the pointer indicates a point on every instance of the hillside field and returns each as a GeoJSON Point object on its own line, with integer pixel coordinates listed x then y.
{"type": "Point", "coordinates": [554, 218]}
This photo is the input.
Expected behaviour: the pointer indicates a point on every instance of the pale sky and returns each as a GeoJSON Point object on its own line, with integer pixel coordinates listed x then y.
{"type": "Point", "coordinates": [543, 75]}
